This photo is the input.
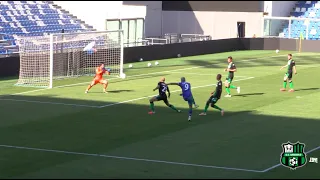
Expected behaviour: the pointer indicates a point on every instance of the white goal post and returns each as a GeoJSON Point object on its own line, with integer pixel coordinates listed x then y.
{"type": "Point", "coordinates": [44, 59]}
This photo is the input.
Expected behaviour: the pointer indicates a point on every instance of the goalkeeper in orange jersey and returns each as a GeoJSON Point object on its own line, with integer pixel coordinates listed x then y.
{"type": "Point", "coordinates": [99, 79]}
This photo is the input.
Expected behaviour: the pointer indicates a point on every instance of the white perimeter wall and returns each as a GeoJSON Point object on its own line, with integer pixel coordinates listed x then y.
{"type": "Point", "coordinates": [95, 13]}
{"type": "Point", "coordinates": [278, 9]}
{"type": "Point", "coordinates": [282, 8]}
{"type": "Point", "coordinates": [219, 25]}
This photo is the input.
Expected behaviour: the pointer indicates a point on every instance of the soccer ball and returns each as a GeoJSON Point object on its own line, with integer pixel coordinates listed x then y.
{"type": "Point", "coordinates": [156, 63]}
{"type": "Point", "coordinates": [277, 51]}
{"type": "Point", "coordinates": [141, 59]}
{"type": "Point", "coordinates": [179, 55]}
{"type": "Point", "coordinates": [293, 161]}
{"type": "Point", "coordinates": [149, 64]}
{"type": "Point", "coordinates": [130, 65]}
{"type": "Point", "coordinates": [123, 76]}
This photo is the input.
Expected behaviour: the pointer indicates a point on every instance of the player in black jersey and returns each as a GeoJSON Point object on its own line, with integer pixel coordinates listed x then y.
{"type": "Point", "coordinates": [231, 69]}
{"type": "Point", "coordinates": [215, 96]}
{"type": "Point", "coordinates": [163, 88]}
{"type": "Point", "coordinates": [291, 67]}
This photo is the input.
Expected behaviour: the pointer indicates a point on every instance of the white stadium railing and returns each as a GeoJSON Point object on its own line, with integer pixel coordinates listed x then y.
{"type": "Point", "coordinates": [291, 27]}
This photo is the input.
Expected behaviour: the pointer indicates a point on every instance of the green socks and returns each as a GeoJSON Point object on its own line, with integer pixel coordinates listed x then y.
{"type": "Point", "coordinates": [206, 108]}
{"type": "Point", "coordinates": [291, 85]}
{"type": "Point", "coordinates": [228, 90]}
{"type": "Point", "coordinates": [217, 107]}
{"type": "Point", "coordinates": [214, 106]}
{"type": "Point", "coordinates": [233, 87]}
{"type": "Point", "coordinates": [152, 106]}
{"type": "Point", "coordinates": [172, 107]}
{"type": "Point", "coordinates": [284, 84]}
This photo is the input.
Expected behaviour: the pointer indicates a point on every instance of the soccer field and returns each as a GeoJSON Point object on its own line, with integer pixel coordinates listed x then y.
{"type": "Point", "coordinates": [65, 133]}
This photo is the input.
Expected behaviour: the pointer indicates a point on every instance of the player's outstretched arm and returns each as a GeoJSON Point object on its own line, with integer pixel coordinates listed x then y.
{"type": "Point", "coordinates": [173, 84]}
{"type": "Point", "coordinates": [156, 88]}
{"type": "Point", "coordinates": [294, 69]}
{"type": "Point", "coordinates": [168, 91]}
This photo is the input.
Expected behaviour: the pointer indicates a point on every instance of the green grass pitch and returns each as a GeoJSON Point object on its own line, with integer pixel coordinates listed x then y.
{"type": "Point", "coordinates": [65, 133]}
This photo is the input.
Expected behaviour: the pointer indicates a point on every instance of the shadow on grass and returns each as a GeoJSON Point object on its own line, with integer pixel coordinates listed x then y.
{"type": "Point", "coordinates": [249, 94]}
{"type": "Point", "coordinates": [307, 89]}
{"type": "Point", "coordinates": [8, 78]}
{"type": "Point", "coordinates": [121, 90]}
{"type": "Point", "coordinates": [101, 130]}
{"type": "Point", "coordinates": [251, 62]}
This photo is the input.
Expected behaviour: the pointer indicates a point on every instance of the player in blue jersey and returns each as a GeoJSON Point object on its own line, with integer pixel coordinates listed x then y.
{"type": "Point", "coordinates": [186, 94]}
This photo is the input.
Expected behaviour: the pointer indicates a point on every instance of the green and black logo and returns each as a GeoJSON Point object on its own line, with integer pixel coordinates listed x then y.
{"type": "Point", "coordinates": [293, 155]}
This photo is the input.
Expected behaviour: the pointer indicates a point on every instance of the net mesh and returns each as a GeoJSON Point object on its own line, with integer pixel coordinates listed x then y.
{"type": "Point", "coordinates": [73, 55]}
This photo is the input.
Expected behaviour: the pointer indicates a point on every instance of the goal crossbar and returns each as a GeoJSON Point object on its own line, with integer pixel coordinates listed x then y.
{"type": "Point", "coordinates": [44, 59]}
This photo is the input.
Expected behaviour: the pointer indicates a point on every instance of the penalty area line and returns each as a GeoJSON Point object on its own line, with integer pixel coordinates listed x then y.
{"type": "Point", "coordinates": [102, 106]}
{"type": "Point", "coordinates": [179, 90]}
{"type": "Point", "coordinates": [202, 74]}
{"type": "Point", "coordinates": [128, 158]}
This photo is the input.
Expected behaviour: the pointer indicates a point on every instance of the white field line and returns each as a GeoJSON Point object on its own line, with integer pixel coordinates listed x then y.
{"type": "Point", "coordinates": [277, 165]}
{"type": "Point", "coordinates": [202, 74]}
{"type": "Point", "coordinates": [160, 72]}
{"type": "Point", "coordinates": [80, 105]}
{"type": "Point", "coordinates": [147, 160]}
{"type": "Point", "coordinates": [129, 158]}
{"type": "Point", "coordinates": [179, 90]}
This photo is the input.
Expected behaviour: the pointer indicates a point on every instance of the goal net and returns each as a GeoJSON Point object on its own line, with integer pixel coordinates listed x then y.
{"type": "Point", "coordinates": [44, 59]}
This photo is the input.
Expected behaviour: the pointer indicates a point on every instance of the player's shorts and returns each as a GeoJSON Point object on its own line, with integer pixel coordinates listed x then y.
{"type": "Point", "coordinates": [189, 99]}
{"type": "Point", "coordinates": [98, 80]}
{"type": "Point", "coordinates": [288, 75]}
{"type": "Point", "coordinates": [162, 98]}
{"type": "Point", "coordinates": [213, 99]}
{"type": "Point", "coordinates": [229, 80]}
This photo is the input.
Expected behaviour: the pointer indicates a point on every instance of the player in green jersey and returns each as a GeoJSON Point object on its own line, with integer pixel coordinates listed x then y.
{"type": "Point", "coordinates": [231, 69]}
{"type": "Point", "coordinates": [291, 68]}
{"type": "Point", "coordinates": [163, 88]}
{"type": "Point", "coordinates": [215, 96]}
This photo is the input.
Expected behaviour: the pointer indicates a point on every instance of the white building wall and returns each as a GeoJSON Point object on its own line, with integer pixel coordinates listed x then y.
{"type": "Point", "coordinates": [153, 16]}
{"type": "Point", "coordinates": [219, 25]}
{"type": "Point", "coordinates": [277, 9]}
{"type": "Point", "coordinates": [157, 22]}
{"type": "Point", "coordinates": [282, 8]}
{"type": "Point", "coordinates": [95, 13]}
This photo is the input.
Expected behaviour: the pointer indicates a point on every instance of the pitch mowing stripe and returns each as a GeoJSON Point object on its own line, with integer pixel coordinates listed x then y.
{"type": "Point", "coordinates": [179, 90]}
{"type": "Point", "coordinates": [277, 165]}
{"type": "Point", "coordinates": [26, 92]}
{"type": "Point", "coordinates": [122, 102]}
{"type": "Point", "coordinates": [129, 158]}
{"type": "Point", "coordinates": [44, 102]}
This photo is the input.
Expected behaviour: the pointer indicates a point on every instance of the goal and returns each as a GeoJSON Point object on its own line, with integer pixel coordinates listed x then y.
{"type": "Point", "coordinates": [44, 59]}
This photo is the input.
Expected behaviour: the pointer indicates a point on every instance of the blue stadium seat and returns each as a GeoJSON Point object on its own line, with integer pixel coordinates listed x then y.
{"type": "Point", "coordinates": [305, 9]}
{"type": "Point", "coordinates": [33, 19]}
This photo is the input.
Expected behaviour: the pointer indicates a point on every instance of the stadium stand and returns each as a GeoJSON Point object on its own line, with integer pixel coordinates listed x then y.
{"type": "Point", "coordinates": [33, 18]}
{"type": "Point", "coordinates": [304, 9]}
